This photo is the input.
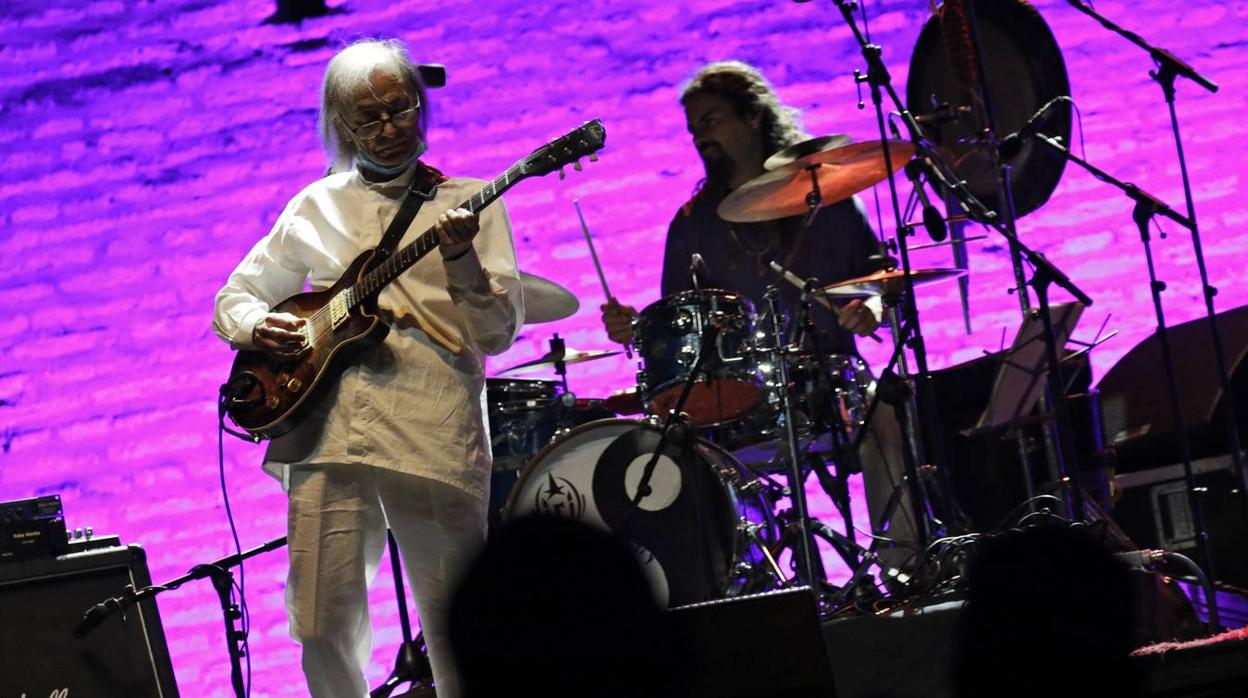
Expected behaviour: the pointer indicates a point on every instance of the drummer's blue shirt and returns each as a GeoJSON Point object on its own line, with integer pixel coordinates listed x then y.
{"type": "Point", "coordinates": [736, 255]}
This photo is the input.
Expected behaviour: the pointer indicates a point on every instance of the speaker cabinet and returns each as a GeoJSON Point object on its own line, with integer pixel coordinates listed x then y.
{"type": "Point", "coordinates": [760, 645]}
{"type": "Point", "coordinates": [42, 600]}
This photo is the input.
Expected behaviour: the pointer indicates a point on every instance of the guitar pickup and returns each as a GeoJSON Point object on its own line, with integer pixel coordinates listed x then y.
{"type": "Point", "coordinates": [338, 310]}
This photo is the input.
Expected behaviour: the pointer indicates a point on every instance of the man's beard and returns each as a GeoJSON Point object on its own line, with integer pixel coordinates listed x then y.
{"type": "Point", "coordinates": [719, 167]}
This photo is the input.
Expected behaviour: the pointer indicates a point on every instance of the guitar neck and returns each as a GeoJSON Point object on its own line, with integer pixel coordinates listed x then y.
{"type": "Point", "coordinates": [381, 275]}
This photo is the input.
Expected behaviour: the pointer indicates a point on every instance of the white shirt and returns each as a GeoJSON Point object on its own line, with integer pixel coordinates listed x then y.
{"type": "Point", "coordinates": [414, 404]}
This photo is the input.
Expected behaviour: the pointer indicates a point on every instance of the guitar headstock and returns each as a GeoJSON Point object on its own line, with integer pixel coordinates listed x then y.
{"type": "Point", "coordinates": [586, 139]}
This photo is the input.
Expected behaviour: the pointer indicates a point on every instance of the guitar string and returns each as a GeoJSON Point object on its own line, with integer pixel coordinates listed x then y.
{"type": "Point", "coordinates": [320, 321]}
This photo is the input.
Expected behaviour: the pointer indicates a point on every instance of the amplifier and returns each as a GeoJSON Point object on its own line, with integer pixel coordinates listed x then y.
{"type": "Point", "coordinates": [32, 528]}
{"type": "Point", "coordinates": [41, 601]}
{"type": "Point", "coordinates": [755, 646]}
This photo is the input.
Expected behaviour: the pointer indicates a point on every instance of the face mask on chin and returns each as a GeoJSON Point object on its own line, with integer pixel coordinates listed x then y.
{"type": "Point", "coordinates": [363, 162]}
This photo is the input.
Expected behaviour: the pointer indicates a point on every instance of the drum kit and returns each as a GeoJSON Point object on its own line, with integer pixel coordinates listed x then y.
{"type": "Point", "coordinates": [685, 464]}
{"type": "Point", "coordinates": [737, 408]}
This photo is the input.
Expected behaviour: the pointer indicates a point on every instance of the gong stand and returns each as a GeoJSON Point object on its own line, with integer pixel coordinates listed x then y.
{"type": "Point", "coordinates": [1170, 67]}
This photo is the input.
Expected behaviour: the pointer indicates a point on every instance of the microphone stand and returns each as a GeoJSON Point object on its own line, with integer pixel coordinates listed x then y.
{"type": "Point", "coordinates": [410, 664]}
{"type": "Point", "coordinates": [1168, 68]}
{"type": "Point", "coordinates": [1046, 273]}
{"type": "Point", "coordinates": [222, 581]}
{"type": "Point", "coordinates": [1146, 208]}
{"type": "Point", "coordinates": [928, 444]}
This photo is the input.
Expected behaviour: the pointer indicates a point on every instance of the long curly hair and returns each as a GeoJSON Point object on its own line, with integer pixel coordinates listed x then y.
{"type": "Point", "coordinates": [742, 86]}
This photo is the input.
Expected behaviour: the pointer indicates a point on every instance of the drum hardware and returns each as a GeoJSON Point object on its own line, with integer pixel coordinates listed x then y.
{"type": "Point", "coordinates": [807, 553]}
{"type": "Point", "coordinates": [811, 287]}
{"type": "Point", "coordinates": [557, 359]}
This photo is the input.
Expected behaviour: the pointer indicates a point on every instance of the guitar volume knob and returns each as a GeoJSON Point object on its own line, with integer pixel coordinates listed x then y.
{"type": "Point", "coordinates": [294, 385]}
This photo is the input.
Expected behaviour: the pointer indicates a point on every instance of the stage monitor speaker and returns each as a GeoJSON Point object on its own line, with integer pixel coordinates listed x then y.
{"type": "Point", "coordinates": [41, 601]}
{"type": "Point", "coordinates": [760, 645]}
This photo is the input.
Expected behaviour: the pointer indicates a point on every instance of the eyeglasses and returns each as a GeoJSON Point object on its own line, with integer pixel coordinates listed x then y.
{"type": "Point", "coordinates": [372, 129]}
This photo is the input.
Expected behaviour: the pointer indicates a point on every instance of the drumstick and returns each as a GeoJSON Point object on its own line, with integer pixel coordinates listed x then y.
{"type": "Point", "coordinates": [820, 297]}
{"type": "Point", "coordinates": [602, 279]}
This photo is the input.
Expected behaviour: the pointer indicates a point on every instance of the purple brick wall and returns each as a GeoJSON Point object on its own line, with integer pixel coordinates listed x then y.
{"type": "Point", "coordinates": [145, 146]}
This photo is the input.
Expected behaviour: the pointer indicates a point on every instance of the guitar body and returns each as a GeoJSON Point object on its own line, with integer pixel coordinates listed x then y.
{"type": "Point", "coordinates": [268, 396]}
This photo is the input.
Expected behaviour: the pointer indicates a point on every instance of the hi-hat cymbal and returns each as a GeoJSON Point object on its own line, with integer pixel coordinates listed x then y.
{"type": "Point", "coordinates": [547, 361]}
{"type": "Point", "coordinates": [887, 282]}
{"type": "Point", "coordinates": [842, 172]}
{"type": "Point", "coordinates": [545, 300]}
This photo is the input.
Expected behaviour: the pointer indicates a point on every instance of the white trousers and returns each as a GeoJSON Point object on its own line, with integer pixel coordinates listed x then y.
{"type": "Point", "coordinates": [337, 522]}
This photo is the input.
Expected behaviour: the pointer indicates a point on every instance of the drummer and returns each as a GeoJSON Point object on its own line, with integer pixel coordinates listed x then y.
{"type": "Point", "coordinates": [737, 122]}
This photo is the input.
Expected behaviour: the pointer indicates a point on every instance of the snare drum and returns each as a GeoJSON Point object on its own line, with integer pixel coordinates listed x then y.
{"type": "Point", "coordinates": [697, 534]}
{"type": "Point", "coordinates": [668, 334]}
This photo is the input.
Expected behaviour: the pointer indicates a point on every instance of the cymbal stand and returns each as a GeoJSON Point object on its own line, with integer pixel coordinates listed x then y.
{"type": "Point", "coordinates": [1168, 68]}
{"type": "Point", "coordinates": [557, 348]}
{"type": "Point", "coordinates": [808, 553]}
{"type": "Point", "coordinates": [825, 417]}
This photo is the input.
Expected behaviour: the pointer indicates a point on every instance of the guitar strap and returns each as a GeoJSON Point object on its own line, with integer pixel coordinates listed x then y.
{"type": "Point", "coordinates": [413, 199]}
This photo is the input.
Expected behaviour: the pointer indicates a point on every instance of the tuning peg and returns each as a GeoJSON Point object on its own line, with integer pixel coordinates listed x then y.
{"type": "Point", "coordinates": [577, 166]}
{"type": "Point", "coordinates": [593, 157]}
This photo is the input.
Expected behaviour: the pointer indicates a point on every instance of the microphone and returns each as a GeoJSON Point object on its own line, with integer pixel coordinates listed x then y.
{"type": "Point", "coordinates": [697, 270]}
{"type": "Point", "coordinates": [943, 114]}
{"type": "Point", "coordinates": [1011, 144]}
{"type": "Point", "coordinates": [93, 617]}
{"type": "Point", "coordinates": [932, 220]}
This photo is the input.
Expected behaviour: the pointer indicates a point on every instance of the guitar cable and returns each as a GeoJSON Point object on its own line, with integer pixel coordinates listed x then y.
{"type": "Point", "coordinates": [223, 397]}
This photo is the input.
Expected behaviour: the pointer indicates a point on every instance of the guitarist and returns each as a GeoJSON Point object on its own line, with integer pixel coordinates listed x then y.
{"type": "Point", "coordinates": [399, 440]}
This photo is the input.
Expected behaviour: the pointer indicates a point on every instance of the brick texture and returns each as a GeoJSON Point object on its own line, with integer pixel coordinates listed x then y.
{"type": "Point", "coordinates": [145, 145]}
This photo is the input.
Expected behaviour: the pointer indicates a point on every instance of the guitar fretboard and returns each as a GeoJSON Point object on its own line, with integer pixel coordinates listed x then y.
{"type": "Point", "coordinates": [405, 257]}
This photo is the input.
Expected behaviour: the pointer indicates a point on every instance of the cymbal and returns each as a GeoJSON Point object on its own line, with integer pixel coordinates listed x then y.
{"type": "Point", "coordinates": [547, 361]}
{"type": "Point", "coordinates": [842, 172]}
{"type": "Point", "coordinates": [887, 282]}
{"type": "Point", "coordinates": [805, 149]}
{"type": "Point", "coordinates": [545, 300]}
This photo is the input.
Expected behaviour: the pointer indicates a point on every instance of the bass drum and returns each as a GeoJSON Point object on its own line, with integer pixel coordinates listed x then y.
{"type": "Point", "coordinates": [698, 535]}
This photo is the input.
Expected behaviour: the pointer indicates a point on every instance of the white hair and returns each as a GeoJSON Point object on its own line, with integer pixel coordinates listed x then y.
{"type": "Point", "coordinates": [347, 70]}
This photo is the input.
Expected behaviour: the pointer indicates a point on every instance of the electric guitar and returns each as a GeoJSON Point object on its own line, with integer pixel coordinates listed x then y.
{"type": "Point", "coordinates": [267, 396]}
